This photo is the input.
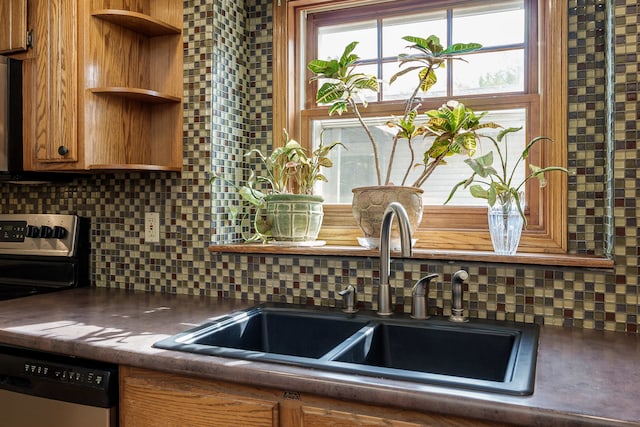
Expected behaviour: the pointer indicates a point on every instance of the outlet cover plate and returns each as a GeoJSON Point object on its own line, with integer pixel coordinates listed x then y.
{"type": "Point", "coordinates": [152, 227]}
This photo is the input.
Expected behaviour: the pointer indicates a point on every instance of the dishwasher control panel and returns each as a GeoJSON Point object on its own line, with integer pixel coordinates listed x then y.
{"type": "Point", "coordinates": [58, 377]}
{"type": "Point", "coordinates": [66, 374]}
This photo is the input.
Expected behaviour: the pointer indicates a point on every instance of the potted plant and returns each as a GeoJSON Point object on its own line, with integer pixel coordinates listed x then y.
{"type": "Point", "coordinates": [279, 198]}
{"type": "Point", "coordinates": [506, 208]}
{"type": "Point", "coordinates": [454, 127]}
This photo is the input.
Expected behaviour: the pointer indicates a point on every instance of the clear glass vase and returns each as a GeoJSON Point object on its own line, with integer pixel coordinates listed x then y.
{"type": "Point", "coordinates": [505, 226]}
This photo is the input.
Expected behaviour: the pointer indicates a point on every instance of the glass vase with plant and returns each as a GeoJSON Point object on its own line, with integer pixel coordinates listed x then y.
{"type": "Point", "coordinates": [503, 193]}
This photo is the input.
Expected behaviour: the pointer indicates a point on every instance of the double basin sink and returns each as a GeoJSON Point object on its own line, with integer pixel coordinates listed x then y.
{"type": "Point", "coordinates": [478, 355]}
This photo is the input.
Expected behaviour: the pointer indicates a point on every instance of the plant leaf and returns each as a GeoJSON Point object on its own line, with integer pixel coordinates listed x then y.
{"type": "Point", "coordinates": [430, 80]}
{"type": "Point", "coordinates": [338, 107]}
{"type": "Point", "coordinates": [403, 72]}
{"type": "Point", "coordinates": [347, 59]}
{"type": "Point", "coordinates": [479, 192]}
{"type": "Point", "coordinates": [506, 131]}
{"type": "Point", "coordinates": [483, 165]}
{"type": "Point", "coordinates": [329, 92]}
{"type": "Point", "coordinates": [531, 143]}
{"type": "Point", "coordinates": [461, 48]}
{"type": "Point", "coordinates": [455, 188]}
{"type": "Point", "coordinates": [319, 66]}
{"type": "Point", "coordinates": [366, 82]}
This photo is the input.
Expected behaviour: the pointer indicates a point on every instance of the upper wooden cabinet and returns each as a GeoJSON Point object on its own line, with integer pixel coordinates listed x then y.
{"type": "Point", "coordinates": [108, 85]}
{"type": "Point", "coordinates": [13, 31]}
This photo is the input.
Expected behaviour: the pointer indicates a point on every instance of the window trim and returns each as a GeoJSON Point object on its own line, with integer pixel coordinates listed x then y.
{"type": "Point", "coordinates": [548, 230]}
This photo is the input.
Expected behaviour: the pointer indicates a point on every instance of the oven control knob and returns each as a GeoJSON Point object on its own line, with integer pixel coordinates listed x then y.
{"type": "Point", "coordinates": [32, 231]}
{"type": "Point", "coordinates": [46, 232]}
{"type": "Point", "coordinates": [59, 232]}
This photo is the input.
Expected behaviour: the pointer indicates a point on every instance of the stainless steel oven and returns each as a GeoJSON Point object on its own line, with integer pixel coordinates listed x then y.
{"type": "Point", "coordinates": [42, 253]}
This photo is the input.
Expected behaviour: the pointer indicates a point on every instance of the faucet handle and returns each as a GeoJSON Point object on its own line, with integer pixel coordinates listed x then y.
{"type": "Point", "coordinates": [350, 299]}
{"type": "Point", "coordinates": [419, 295]}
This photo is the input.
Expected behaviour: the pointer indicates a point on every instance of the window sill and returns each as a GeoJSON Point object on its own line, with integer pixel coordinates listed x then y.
{"type": "Point", "coordinates": [558, 260]}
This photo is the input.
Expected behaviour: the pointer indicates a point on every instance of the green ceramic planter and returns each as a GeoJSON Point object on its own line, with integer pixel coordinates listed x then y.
{"type": "Point", "coordinates": [294, 217]}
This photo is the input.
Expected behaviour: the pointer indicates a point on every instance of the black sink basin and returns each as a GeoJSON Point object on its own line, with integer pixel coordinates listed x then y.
{"type": "Point", "coordinates": [470, 352]}
{"type": "Point", "coordinates": [478, 355]}
{"type": "Point", "coordinates": [268, 334]}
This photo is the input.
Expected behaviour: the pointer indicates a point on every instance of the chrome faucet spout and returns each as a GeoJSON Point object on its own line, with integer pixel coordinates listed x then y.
{"type": "Point", "coordinates": [394, 209]}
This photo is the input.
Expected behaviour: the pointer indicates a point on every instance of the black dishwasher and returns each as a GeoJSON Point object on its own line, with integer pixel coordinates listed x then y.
{"type": "Point", "coordinates": [47, 390]}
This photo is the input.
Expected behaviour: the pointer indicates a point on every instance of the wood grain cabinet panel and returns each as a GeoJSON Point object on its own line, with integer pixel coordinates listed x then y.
{"type": "Point", "coordinates": [321, 417]}
{"type": "Point", "coordinates": [13, 31]}
{"type": "Point", "coordinates": [56, 100]}
{"type": "Point", "coordinates": [156, 399]}
{"type": "Point", "coordinates": [152, 399]}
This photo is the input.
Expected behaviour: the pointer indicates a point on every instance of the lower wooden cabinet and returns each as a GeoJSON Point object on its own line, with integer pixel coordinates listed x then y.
{"type": "Point", "coordinates": [155, 399]}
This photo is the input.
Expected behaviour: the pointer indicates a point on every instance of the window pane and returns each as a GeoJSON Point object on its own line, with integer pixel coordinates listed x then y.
{"type": "Point", "coordinates": [354, 166]}
{"type": "Point", "coordinates": [333, 39]}
{"type": "Point", "coordinates": [474, 24]}
{"type": "Point", "coordinates": [495, 72]}
{"type": "Point", "coordinates": [421, 25]}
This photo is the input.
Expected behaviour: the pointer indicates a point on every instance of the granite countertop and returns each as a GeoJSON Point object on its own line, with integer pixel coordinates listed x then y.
{"type": "Point", "coordinates": [583, 377]}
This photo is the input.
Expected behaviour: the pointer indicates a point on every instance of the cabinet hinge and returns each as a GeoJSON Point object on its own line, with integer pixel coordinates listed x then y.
{"type": "Point", "coordinates": [30, 38]}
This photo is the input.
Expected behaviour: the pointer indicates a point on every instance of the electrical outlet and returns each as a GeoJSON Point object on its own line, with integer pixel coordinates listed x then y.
{"type": "Point", "coordinates": [152, 227]}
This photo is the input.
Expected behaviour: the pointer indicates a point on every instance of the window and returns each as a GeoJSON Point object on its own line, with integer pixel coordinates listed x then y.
{"type": "Point", "coordinates": [518, 77]}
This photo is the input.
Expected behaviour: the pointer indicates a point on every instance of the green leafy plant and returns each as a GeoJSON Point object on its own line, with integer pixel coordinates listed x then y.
{"type": "Point", "coordinates": [497, 185]}
{"type": "Point", "coordinates": [288, 169]}
{"type": "Point", "coordinates": [453, 126]}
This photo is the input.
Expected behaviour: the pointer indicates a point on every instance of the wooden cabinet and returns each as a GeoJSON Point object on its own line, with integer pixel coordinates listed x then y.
{"type": "Point", "coordinates": [154, 399]}
{"type": "Point", "coordinates": [108, 85]}
{"type": "Point", "coordinates": [13, 30]}
{"type": "Point", "coordinates": [55, 117]}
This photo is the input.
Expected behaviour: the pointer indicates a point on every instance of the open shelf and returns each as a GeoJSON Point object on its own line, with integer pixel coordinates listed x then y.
{"type": "Point", "coordinates": [136, 94]}
{"type": "Point", "coordinates": [138, 22]}
{"type": "Point", "coordinates": [134, 167]}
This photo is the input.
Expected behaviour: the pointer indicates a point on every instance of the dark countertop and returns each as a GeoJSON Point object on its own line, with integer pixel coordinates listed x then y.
{"type": "Point", "coordinates": [583, 377]}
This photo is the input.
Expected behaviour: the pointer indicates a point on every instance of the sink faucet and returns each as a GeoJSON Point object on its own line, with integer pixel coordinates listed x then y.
{"type": "Point", "coordinates": [384, 290]}
{"type": "Point", "coordinates": [457, 310]}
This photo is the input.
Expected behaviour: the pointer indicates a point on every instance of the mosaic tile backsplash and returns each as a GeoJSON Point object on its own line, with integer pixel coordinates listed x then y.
{"type": "Point", "coordinates": [227, 84]}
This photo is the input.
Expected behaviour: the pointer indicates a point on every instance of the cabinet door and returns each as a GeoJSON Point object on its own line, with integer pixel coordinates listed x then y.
{"type": "Point", "coordinates": [325, 417]}
{"type": "Point", "coordinates": [13, 31]}
{"type": "Point", "coordinates": [319, 417]}
{"type": "Point", "coordinates": [56, 47]}
{"type": "Point", "coordinates": [154, 399]}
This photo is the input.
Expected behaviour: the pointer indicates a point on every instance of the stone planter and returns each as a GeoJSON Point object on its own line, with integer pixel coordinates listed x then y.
{"type": "Point", "coordinates": [369, 204]}
{"type": "Point", "coordinates": [294, 217]}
